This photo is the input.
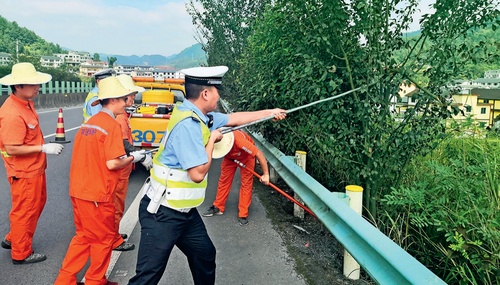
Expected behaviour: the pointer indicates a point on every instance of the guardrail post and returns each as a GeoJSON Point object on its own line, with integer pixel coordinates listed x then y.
{"type": "Point", "coordinates": [300, 160]}
{"type": "Point", "coordinates": [355, 194]}
{"type": "Point", "coordinates": [273, 176]}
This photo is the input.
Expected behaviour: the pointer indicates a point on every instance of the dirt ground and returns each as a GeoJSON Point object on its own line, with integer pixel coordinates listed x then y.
{"type": "Point", "coordinates": [317, 254]}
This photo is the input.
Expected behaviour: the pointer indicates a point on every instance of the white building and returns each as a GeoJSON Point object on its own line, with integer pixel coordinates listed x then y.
{"type": "Point", "coordinates": [5, 58]}
{"type": "Point", "coordinates": [90, 67]}
{"type": "Point", "coordinates": [492, 74]}
{"type": "Point", "coordinates": [51, 61]}
{"type": "Point", "coordinates": [74, 58]}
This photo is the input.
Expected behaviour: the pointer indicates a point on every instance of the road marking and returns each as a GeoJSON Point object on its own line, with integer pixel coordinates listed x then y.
{"type": "Point", "coordinates": [57, 110]}
{"type": "Point", "coordinates": [69, 130]}
{"type": "Point", "coordinates": [127, 225]}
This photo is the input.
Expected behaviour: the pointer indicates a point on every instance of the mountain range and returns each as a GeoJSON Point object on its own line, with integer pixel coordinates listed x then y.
{"type": "Point", "coordinates": [189, 57]}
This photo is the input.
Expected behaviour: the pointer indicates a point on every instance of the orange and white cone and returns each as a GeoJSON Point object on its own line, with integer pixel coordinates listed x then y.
{"type": "Point", "coordinates": [60, 134]}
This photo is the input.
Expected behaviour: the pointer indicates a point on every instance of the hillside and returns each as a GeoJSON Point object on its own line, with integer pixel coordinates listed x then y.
{"type": "Point", "coordinates": [30, 44]}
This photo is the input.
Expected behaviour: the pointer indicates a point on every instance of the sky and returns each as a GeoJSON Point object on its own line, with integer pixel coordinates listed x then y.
{"type": "Point", "coordinates": [118, 27]}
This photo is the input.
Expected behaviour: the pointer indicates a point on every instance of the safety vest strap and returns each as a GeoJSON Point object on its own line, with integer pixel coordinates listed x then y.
{"type": "Point", "coordinates": [181, 192]}
{"type": "Point", "coordinates": [87, 116]}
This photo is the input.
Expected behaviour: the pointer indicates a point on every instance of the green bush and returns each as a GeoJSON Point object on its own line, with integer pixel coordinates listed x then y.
{"type": "Point", "coordinates": [446, 214]}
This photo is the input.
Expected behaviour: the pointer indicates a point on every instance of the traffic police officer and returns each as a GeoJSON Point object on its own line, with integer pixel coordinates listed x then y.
{"type": "Point", "coordinates": [179, 179]}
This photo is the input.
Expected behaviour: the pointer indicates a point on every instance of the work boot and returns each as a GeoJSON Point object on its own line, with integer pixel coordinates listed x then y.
{"type": "Point", "coordinates": [212, 211]}
{"type": "Point", "coordinates": [33, 258]}
{"type": "Point", "coordinates": [6, 244]}
{"type": "Point", "coordinates": [125, 246]}
{"type": "Point", "coordinates": [243, 221]}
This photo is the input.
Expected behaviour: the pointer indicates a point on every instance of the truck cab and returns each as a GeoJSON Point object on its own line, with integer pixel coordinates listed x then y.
{"type": "Point", "coordinates": [150, 114]}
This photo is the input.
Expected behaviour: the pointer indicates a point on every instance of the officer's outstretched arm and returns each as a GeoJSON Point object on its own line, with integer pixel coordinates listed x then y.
{"type": "Point", "coordinates": [241, 118]}
{"type": "Point", "coordinates": [198, 173]}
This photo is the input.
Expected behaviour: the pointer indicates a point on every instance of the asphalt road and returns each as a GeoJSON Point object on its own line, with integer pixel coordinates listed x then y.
{"type": "Point", "coordinates": [253, 254]}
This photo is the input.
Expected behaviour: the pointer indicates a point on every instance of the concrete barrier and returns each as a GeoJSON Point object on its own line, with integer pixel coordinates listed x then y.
{"type": "Point", "coordinates": [45, 101]}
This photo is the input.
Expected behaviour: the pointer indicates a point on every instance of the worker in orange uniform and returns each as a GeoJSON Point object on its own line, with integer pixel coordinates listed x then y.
{"type": "Point", "coordinates": [91, 106]}
{"type": "Point", "coordinates": [124, 120]}
{"type": "Point", "coordinates": [98, 156]}
{"type": "Point", "coordinates": [24, 153]}
{"type": "Point", "coordinates": [238, 146]}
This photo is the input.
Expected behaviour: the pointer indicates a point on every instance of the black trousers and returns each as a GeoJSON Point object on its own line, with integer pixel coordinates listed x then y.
{"type": "Point", "coordinates": [159, 234]}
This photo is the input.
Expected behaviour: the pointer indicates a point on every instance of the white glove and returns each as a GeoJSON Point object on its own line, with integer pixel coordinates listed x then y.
{"type": "Point", "coordinates": [52, 148]}
{"type": "Point", "coordinates": [147, 162]}
{"type": "Point", "coordinates": [138, 155]}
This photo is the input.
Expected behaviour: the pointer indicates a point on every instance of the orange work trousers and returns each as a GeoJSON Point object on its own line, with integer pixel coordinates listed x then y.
{"type": "Point", "coordinates": [119, 200]}
{"type": "Point", "coordinates": [95, 233]}
{"type": "Point", "coordinates": [28, 200]}
{"type": "Point", "coordinates": [228, 169]}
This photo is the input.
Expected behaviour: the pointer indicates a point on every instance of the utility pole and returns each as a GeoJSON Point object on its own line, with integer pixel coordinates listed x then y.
{"type": "Point", "coordinates": [17, 51]}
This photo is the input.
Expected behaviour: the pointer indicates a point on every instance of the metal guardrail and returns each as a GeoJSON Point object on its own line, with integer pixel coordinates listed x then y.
{"type": "Point", "coordinates": [379, 256]}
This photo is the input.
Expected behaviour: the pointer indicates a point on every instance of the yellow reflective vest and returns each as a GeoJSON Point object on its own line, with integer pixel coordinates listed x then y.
{"type": "Point", "coordinates": [87, 116]}
{"type": "Point", "coordinates": [180, 191]}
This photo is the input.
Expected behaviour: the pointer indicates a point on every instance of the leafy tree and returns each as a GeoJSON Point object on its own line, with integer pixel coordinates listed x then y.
{"type": "Point", "coordinates": [224, 27]}
{"type": "Point", "coordinates": [111, 61]}
{"type": "Point", "coordinates": [4, 70]}
{"type": "Point", "coordinates": [62, 73]}
{"type": "Point", "coordinates": [300, 51]}
{"type": "Point", "coordinates": [96, 57]}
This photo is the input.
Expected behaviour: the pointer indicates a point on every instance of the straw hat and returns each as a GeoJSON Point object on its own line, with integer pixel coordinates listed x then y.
{"type": "Point", "coordinates": [110, 87]}
{"type": "Point", "coordinates": [25, 73]}
{"type": "Point", "coordinates": [223, 147]}
{"type": "Point", "coordinates": [128, 83]}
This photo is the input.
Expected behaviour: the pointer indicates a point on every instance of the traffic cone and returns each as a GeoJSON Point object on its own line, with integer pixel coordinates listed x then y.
{"type": "Point", "coordinates": [60, 134]}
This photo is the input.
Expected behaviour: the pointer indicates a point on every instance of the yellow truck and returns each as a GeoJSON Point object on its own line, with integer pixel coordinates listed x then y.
{"type": "Point", "coordinates": [150, 114]}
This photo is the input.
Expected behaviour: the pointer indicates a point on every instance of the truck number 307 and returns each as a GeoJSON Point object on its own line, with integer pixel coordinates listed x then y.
{"type": "Point", "coordinates": [147, 136]}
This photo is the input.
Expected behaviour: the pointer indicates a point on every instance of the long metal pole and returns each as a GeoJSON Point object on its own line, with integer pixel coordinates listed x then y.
{"type": "Point", "coordinates": [228, 130]}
